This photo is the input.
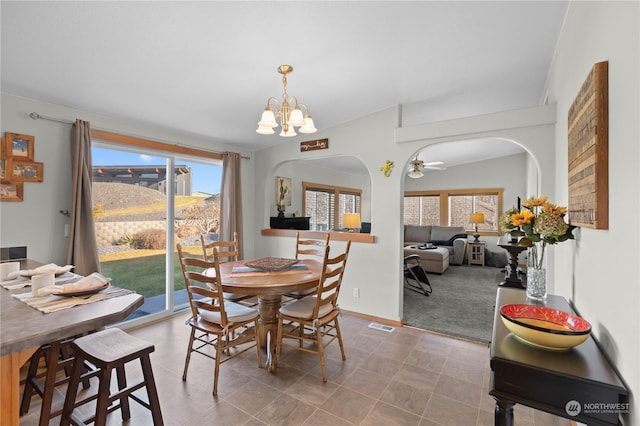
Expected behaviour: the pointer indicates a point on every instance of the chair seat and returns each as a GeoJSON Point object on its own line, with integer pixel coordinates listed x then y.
{"type": "Point", "coordinates": [235, 313]}
{"type": "Point", "coordinates": [112, 344]}
{"type": "Point", "coordinates": [303, 308]}
{"type": "Point", "coordinates": [109, 350]}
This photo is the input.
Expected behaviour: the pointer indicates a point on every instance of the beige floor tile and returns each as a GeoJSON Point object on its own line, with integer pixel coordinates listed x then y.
{"type": "Point", "coordinates": [408, 376]}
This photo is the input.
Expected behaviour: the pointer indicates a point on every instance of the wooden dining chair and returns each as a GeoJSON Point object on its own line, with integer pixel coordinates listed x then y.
{"type": "Point", "coordinates": [233, 326]}
{"type": "Point", "coordinates": [313, 320]}
{"type": "Point", "coordinates": [309, 249]}
{"type": "Point", "coordinates": [227, 252]}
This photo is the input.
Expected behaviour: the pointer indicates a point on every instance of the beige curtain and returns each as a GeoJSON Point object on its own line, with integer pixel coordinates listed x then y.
{"type": "Point", "coordinates": [82, 249]}
{"type": "Point", "coordinates": [231, 199]}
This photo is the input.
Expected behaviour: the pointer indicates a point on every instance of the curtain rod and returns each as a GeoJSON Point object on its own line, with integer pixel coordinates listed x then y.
{"type": "Point", "coordinates": [36, 116]}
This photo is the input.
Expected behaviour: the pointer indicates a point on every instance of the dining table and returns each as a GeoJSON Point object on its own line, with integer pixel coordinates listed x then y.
{"type": "Point", "coordinates": [269, 286]}
{"type": "Point", "coordinates": [24, 329]}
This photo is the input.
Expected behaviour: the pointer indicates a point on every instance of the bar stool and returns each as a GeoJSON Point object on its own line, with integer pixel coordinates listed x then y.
{"type": "Point", "coordinates": [108, 350]}
{"type": "Point", "coordinates": [58, 357]}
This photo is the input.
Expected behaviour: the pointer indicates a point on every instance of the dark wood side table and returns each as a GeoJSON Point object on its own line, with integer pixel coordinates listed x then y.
{"type": "Point", "coordinates": [579, 384]}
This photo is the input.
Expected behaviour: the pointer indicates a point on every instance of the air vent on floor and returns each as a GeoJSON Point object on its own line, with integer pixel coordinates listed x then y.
{"type": "Point", "coordinates": [382, 327]}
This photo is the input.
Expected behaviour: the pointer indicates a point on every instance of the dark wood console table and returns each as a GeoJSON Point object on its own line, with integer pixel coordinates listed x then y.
{"type": "Point", "coordinates": [559, 383]}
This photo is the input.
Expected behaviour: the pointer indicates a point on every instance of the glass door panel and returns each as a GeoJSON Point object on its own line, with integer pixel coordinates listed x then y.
{"type": "Point", "coordinates": [196, 213]}
{"type": "Point", "coordinates": [130, 205]}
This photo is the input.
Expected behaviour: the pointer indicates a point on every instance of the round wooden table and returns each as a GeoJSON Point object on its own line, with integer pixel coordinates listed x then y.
{"type": "Point", "coordinates": [269, 287]}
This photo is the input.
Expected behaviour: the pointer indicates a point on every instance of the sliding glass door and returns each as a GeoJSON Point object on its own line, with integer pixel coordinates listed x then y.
{"type": "Point", "coordinates": [144, 203]}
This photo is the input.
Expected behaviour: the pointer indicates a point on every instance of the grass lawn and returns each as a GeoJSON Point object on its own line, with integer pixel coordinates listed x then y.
{"type": "Point", "coordinates": [144, 270]}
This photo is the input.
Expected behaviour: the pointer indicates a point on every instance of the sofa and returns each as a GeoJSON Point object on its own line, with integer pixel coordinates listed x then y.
{"type": "Point", "coordinates": [453, 238]}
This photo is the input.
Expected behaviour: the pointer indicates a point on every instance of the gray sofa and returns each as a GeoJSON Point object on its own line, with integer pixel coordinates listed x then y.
{"type": "Point", "coordinates": [453, 238]}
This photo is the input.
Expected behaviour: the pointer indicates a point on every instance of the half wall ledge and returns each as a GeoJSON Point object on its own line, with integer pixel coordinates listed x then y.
{"type": "Point", "coordinates": [335, 236]}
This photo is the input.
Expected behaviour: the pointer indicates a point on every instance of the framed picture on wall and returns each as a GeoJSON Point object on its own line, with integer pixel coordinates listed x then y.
{"type": "Point", "coordinates": [19, 146]}
{"type": "Point", "coordinates": [6, 169]}
{"type": "Point", "coordinates": [26, 171]}
{"type": "Point", "coordinates": [283, 191]}
{"type": "Point", "coordinates": [11, 191]}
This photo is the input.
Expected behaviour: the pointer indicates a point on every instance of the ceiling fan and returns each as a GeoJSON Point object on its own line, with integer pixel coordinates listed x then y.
{"type": "Point", "coordinates": [417, 165]}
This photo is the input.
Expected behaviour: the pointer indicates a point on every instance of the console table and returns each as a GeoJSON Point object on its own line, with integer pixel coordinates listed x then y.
{"type": "Point", "coordinates": [575, 384]}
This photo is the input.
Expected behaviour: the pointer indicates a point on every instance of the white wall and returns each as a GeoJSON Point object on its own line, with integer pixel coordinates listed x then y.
{"type": "Point", "coordinates": [36, 221]}
{"type": "Point", "coordinates": [600, 272]}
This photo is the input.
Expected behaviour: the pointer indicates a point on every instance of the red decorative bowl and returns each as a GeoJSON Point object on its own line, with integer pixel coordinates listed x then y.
{"type": "Point", "coordinates": [545, 328]}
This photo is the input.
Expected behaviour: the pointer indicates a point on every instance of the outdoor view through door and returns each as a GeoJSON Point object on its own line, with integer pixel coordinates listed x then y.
{"type": "Point", "coordinates": [144, 202]}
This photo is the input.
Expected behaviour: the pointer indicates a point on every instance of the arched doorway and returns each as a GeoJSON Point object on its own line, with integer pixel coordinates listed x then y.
{"type": "Point", "coordinates": [469, 165]}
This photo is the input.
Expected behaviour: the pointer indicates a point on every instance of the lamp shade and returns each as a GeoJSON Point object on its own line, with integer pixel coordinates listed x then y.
{"type": "Point", "coordinates": [308, 126]}
{"type": "Point", "coordinates": [351, 220]}
{"type": "Point", "coordinates": [415, 174]}
{"type": "Point", "coordinates": [477, 218]}
{"type": "Point", "coordinates": [268, 119]}
{"type": "Point", "coordinates": [296, 118]}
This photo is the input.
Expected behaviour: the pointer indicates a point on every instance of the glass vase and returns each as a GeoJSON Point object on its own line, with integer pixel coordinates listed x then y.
{"type": "Point", "coordinates": [537, 271]}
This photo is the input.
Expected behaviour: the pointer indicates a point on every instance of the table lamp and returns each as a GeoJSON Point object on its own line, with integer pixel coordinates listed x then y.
{"type": "Point", "coordinates": [351, 221]}
{"type": "Point", "coordinates": [476, 218]}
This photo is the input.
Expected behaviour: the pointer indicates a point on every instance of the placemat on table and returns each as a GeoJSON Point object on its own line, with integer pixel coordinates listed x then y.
{"type": "Point", "coordinates": [54, 303]}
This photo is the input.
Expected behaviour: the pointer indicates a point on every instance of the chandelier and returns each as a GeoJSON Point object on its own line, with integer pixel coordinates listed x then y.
{"type": "Point", "coordinates": [289, 118]}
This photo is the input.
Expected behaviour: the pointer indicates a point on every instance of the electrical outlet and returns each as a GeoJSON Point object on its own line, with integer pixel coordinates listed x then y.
{"type": "Point", "coordinates": [356, 292]}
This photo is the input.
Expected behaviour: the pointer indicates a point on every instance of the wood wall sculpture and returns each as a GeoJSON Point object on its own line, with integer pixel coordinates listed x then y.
{"type": "Point", "coordinates": [588, 135]}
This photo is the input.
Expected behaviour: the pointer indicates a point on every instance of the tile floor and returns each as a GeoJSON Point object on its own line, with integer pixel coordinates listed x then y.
{"type": "Point", "coordinates": [406, 377]}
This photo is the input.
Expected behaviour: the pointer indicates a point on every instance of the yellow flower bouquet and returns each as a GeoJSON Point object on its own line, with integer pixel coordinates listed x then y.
{"type": "Point", "coordinates": [538, 224]}
{"type": "Point", "coordinates": [539, 221]}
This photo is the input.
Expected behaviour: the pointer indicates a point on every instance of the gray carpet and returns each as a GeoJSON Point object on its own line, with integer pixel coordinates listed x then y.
{"type": "Point", "coordinates": [461, 304]}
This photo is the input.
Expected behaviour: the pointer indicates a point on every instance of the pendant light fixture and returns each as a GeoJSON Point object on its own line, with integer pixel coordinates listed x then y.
{"type": "Point", "coordinates": [289, 117]}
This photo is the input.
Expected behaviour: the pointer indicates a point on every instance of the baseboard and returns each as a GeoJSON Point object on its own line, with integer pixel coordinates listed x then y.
{"type": "Point", "coordinates": [373, 318]}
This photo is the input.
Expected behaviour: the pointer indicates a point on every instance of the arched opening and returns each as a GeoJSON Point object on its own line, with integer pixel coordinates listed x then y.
{"type": "Point", "coordinates": [449, 172]}
{"type": "Point", "coordinates": [344, 173]}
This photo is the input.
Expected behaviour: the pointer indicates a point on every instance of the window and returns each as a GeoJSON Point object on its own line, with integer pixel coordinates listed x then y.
{"type": "Point", "coordinates": [321, 206]}
{"type": "Point", "coordinates": [146, 195]}
{"type": "Point", "coordinates": [453, 208]}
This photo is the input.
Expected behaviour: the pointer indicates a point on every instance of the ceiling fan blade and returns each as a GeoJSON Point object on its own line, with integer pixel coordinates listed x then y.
{"type": "Point", "coordinates": [434, 163]}
{"type": "Point", "coordinates": [434, 167]}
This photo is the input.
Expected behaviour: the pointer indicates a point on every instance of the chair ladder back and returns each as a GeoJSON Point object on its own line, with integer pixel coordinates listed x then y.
{"type": "Point", "coordinates": [331, 279]}
{"type": "Point", "coordinates": [227, 250]}
{"type": "Point", "coordinates": [198, 284]}
{"type": "Point", "coordinates": [311, 247]}
{"type": "Point", "coordinates": [210, 287]}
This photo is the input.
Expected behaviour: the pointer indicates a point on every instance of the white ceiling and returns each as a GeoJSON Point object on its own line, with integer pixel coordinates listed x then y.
{"type": "Point", "coordinates": [207, 68]}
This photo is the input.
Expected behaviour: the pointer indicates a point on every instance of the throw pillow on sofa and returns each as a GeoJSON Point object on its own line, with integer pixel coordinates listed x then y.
{"type": "Point", "coordinates": [448, 242]}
